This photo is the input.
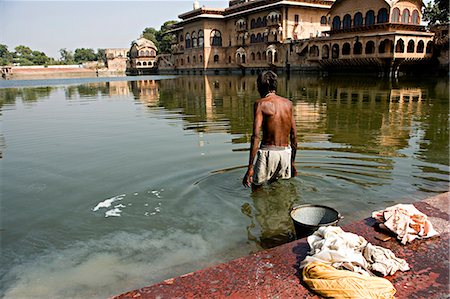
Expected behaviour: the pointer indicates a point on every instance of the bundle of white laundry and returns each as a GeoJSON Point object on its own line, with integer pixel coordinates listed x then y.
{"type": "Point", "coordinates": [344, 250]}
{"type": "Point", "coordinates": [406, 221]}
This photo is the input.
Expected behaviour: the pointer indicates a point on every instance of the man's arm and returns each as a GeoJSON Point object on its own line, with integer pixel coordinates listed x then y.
{"type": "Point", "coordinates": [255, 140]}
{"type": "Point", "coordinates": [293, 140]}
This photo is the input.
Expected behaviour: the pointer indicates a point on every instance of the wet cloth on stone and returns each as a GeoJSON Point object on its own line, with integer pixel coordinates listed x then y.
{"type": "Point", "coordinates": [329, 282]}
{"type": "Point", "coordinates": [406, 222]}
{"type": "Point", "coordinates": [343, 250]}
{"type": "Point", "coordinates": [272, 163]}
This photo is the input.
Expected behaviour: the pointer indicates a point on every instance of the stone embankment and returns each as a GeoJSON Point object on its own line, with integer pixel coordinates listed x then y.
{"type": "Point", "coordinates": [274, 273]}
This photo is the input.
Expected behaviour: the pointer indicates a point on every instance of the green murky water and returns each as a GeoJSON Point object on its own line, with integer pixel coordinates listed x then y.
{"type": "Point", "coordinates": [110, 185]}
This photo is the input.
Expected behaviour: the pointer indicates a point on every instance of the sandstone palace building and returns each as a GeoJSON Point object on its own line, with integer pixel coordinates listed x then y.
{"type": "Point", "coordinates": [299, 34]}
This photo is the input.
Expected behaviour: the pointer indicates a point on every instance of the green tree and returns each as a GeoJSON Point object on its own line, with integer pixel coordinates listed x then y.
{"type": "Point", "coordinates": [101, 55]}
{"type": "Point", "coordinates": [165, 40]}
{"type": "Point", "coordinates": [6, 57]}
{"type": "Point", "coordinates": [66, 56]}
{"type": "Point", "coordinates": [151, 33]}
{"type": "Point", "coordinates": [159, 37]}
{"type": "Point", "coordinates": [84, 55]}
{"type": "Point", "coordinates": [39, 58]}
{"type": "Point", "coordinates": [437, 12]}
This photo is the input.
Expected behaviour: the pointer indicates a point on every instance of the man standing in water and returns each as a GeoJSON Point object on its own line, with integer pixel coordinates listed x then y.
{"type": "Point", "coordinates": [272, 113]}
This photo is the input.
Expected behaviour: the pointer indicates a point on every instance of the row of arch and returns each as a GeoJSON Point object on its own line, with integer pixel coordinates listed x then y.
{"type": "Point", "coordinates": [147, 53]}
{"type": "Point", "coordinates": [369, 19]}
{"type": "Point", "coordinates": [192, 41]}
{"type": "Point", "coordinates": [144, 63]}
{"type": "Point", "coordinates": [273, 17]}
{"type": "Point", "coordinates": [385, 46]}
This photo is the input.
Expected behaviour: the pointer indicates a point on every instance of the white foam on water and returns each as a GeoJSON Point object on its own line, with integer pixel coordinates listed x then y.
{"type": "Point", "coordinates": [108, 202]}
{"type": "Point", "coordinates": [111, 264]}
{"type": "Point", "coordinates": [120, 206]}
{"type": "Point", "coordinates": [116, 212]}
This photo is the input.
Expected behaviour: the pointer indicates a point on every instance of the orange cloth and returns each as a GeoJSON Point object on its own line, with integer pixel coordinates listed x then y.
{"type": "Point", "coordinates": [329, 282]}
{"type": "Point", "coordinates": [406, 221]}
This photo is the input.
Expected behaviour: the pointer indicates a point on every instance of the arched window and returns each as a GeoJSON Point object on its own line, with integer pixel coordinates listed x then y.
{"type": "Point", "coordinates": [188, 60]}
{"type": "Point", "coordinates": [358, 20]}
{"type": "Point", "coordinates": [216, 58]}
{"type": "Point", "coordinates": [201, 38]}
{"type": "Point", "coordinates": [182, 61]}
{"type": "Point", "coordinates": [346, 49]}
{"type": "Point", "coordinates": [252, 38]}
{"type": "Point", "coordinates": [405, 16]}
{"type": "Point", "coordinates": [263, 56]}
{"type": "Point", "coordinates": [252, 56]}
{"type": "Point", "coordinates": [147, 53]}
{"type": "Point", "coordinates": [325, 52]}
{"type": "Point", "coordinates": [429, 47]}
{"type": "Point", "coordinates": [323, 21]}
{"type": "Point", "coordinates": [144, 63]}
{"type": "Point", "coordinates": [411, 46]}
{"type": "Point", "coordinates": [336, 23]}
{"type": "Point", "coordinates": [335, 51]}
{"type": "Point", "coordinates": [259, 22]}
{"type": "Point", "coordinates": [275, 57]}
{"type": "Point", "coordinates": [400, 47]}
{"type": "Point", "coordinates": [216, 38]}
{"type": "Point", "coordinates": [420, 46]}
{"type": "Point", "coordinates": [357, 48]}
{"type": "Point", "coordinates": [382, 16]}
{"type": "Point", "coordinates": [201, 58]}
{"type": "Point", "coordinates": [314, 51]}
{"type": "Point", "coordinates": [243, 58]}
{"type": "Point", "coordinates": [347, 22]}
{"type": "Point", "coordinates": [188, 40]}
{"type": "Point", "coordinates": [269, 56]}
{"type": "Point", "coordinates": [141, 53]}
{"type": "Point", "coordinates": [264, 22]}
{"type": "Point", "coordinates": [181, 38]}
{"type": "Point", "coordinates": [370, 18]}
{"type": "Point", "coordinates": [415, 17]}
{"type": "Point", "coordinates": [259, 38]}
{"type": "Point", "coordinates": [258, 56]}
{"type": "Point", "coordinates": [395, 15]}
{"type": "Point", "coordinates": [194, 39]}
{"type": "Point", "coordinates": [194, 59]}
{"type": "Point", "coordinates": [370, 47]}
{"type": "Point", "coordinates": [229, 59]}
{"type": "Point", "coordinates": [138, 64]}
{"type": "Point", "coordinates": [382, 47]}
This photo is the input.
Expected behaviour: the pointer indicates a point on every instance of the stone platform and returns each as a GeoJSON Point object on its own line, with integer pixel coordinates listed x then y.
{"type": "Point", "coordinates": [274, 273]}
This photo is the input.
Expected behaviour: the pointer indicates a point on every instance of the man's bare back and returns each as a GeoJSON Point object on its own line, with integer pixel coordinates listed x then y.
{"type": "Point", "coordinates": [277, 119]}
{"type": "Point", "coordinates": [273, 115]}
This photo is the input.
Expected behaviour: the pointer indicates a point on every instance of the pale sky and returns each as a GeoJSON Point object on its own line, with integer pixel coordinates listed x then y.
{"type": "Point", "coordinates": [48, 26]}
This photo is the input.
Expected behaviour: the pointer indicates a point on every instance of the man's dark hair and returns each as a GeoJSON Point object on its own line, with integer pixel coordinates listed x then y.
{"type": "Point", "coordinates": [266, 82]}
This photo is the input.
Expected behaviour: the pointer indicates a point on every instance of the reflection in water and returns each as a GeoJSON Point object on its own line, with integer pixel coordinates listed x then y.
{"type": "Point", "coordinates": [271, 224]}
{"type": "Point", "coordinates": [363, 144]}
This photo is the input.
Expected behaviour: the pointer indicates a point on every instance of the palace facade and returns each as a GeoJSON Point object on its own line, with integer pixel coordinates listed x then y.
{"type": "Point", "coordinates": [142, 57]}
{"type": "Point", "coordinates": [299, 34]}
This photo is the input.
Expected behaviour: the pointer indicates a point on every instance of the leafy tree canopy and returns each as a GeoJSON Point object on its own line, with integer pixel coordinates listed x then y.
{"type": "Point", "coordinates": [437, 12]}
{"type": "Point", "coordinates": [84, 55]}
{"type": "Point", "coordinates": [158, 37]}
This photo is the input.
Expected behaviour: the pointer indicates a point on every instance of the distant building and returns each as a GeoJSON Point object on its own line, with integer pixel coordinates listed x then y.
{"type": "Point", "coordinates": [300, 34]}
{"type": "Point", "coordinates": [246, 35]}
{"type": "Point", "coordinates": [116, 59]}
{"type": "Point", "coordinates": [385, 35]}
{"type": "Point", "coordinates": [142, 57]}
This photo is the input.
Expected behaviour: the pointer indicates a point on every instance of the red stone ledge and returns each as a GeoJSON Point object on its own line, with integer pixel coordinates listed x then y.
{"type": "Point", "coordinates": [274, 273]}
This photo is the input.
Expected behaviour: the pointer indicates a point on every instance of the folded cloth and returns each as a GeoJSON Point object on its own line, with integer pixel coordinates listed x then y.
{"type": "Point", "coordinates": [331, 283]}
{"type": "Point", "coordinates": [406, 222]}
{"type": "Point", "coordinates": [343, 250]}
